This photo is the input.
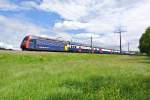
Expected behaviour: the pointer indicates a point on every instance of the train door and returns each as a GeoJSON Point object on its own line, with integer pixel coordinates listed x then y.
{"type": "Point", "coordinates": [66, 46]}
{"type": "Point", "coordinates": [100, 51]}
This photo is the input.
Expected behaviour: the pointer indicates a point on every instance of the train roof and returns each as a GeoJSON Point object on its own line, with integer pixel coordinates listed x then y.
{"type": "Point", "coordinates": [38, 37]}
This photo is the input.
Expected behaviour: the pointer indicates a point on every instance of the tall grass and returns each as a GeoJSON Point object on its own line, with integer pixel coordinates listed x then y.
{"type": "Point", "coordinates": [66, 76]}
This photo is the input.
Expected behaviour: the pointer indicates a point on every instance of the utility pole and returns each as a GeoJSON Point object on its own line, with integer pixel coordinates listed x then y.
{"type": "Point", "coordinates": [120, 31]}
{"type": "Point", "coordinates": [120, 41]}
{"type": "Point", "coordinates": [128, 47]}
{"type": "Point", "coordinates": [91, 44]}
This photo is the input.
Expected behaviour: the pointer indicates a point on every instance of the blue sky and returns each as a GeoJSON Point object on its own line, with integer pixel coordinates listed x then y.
{"type": "Point", "coordinates": [75, 20]}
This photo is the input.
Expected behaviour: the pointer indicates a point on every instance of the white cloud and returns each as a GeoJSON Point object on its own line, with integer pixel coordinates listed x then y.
{"type": "Point", "coordinates": [7, 5]}
{"type": "Point", "coordinates": [103, 16]}
{"type": "Point", "coordinates": [6, 46]}
{"type": "Point", "coordinates": [72, 10]}
{"type": "Point", "coordinates": [13, 30]}
{"type": "Point", "coordinates": [70, 25]}
{"type": "Point", "coordinates": [28, 5]}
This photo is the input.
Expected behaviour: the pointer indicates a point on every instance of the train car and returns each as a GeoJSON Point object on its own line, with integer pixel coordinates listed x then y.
{"type": "Point", "coordinates": [35, 43]}
{"type": "Point", "coordinates": [74, 47]}
{"type": "Point", "coordinates": [77, 47]}
{"type": "Point", "coordinates": [43, 44]}
{"type": "Point", "coordinates": [116, 52]}
{"type": "Point", "coordinates": [106, 51]}
{"type": "Point", "coordinates": [86, 49]}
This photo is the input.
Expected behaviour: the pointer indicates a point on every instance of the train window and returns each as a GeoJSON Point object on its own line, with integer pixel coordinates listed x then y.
{"type": "Point", "coordinates": [25, 39]}
{"type": "Point", "coordinates": [32, 41]}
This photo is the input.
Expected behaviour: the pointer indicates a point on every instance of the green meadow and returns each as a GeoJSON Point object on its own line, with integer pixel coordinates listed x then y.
{"type": "Point", "coordinates": [73, 76]}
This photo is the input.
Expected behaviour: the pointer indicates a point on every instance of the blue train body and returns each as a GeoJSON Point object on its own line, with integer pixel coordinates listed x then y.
{"type": "Point", "coordinates": [53, 45]}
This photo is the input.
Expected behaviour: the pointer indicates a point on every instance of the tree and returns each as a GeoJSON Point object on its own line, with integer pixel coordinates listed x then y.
{"type": "Point", "coordinates": [145, 42]}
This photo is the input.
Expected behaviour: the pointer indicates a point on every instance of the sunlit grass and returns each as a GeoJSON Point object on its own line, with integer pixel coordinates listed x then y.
{"type": "Point", "coordinates": [66, 76]}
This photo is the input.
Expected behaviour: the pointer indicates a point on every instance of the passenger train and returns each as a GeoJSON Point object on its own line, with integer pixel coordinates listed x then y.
{"type": "Point", "coordinates": [35, 43]}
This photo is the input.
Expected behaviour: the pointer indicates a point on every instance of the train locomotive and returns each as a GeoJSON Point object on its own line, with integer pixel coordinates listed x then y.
{"type": "Point", "coordinates": [35, 43]}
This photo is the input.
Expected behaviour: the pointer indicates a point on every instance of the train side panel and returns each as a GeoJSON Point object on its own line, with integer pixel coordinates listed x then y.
{"type": "Point", "coordinates": [50, 45]}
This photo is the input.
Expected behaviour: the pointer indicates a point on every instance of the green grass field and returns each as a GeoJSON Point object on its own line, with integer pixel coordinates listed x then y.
{"type": "Point", "coordinates": [66, 76]}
